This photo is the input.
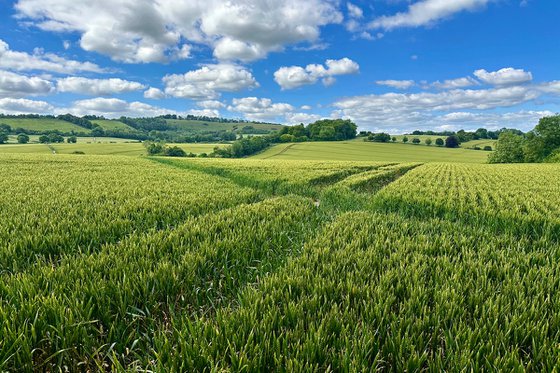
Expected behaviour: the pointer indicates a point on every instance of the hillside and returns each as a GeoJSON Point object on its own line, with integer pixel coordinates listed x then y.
{"type": "Point", "coordinates": [204, 126]}
{"type": "Point", "coordinates": [42, 125]}
{"type": "Point", "coordinates": [370, 151]}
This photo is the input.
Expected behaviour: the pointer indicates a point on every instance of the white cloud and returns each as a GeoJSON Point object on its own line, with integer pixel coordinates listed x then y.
{"type": "Point", "coordinates": [24, 106]}
{"type": "Point", "coordinates": [455, 83]}
{"type": "Point", "coordinates": [261, 109]}
{"type": "Point", "coordinates": [354, 11]}
{"type": "Point", "coordinates": [398, 84]}
{"type": "Point", "coordinates": [305, 118]}
{"type": "Point", "coordinates": [154, 93]}
{"type": "Point", "coordinates": [503, 77]}
{"type": "Point", "coordinates": [208, 81]}
{"type": "Point", "coordinates": [211, 104]}
{"type": "Point", "coordinates": [97, 87]}
{"type": "Point", "coordinates": [398, 109]}
{"type": "Point", "coordinates": [16, 85]}
{"type": "Point", "coordinates": [154, 31]}
{"type": "Point", "coordinates": [525, 120]}
{"type": "Point", "coordinates": [204, 113]}
{"type": "Point", "coordinates": [296, 76]}
{"type": "Point", "coordinates": [550, 87]}
{"type": "Point", "coordinates": [113, 108]}
{"type": "Point", "coordinates": [305, 107]}
{"type": "Point", "coordinates": [22, 61]}
{"type": "Point", "coordinates": [426, 12]}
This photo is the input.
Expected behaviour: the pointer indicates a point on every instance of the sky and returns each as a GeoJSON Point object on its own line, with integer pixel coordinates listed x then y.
{"type": "Point", "coordinates": [388, 65]}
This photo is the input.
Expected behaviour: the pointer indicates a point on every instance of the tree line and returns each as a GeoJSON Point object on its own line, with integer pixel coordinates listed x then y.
{"type": "Point", "coordinates": [542, 144]}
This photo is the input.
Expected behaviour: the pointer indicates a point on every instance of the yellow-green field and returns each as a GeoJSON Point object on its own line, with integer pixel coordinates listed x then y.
{"type": "Point", "coordinates": [113, 125]}
{"type": "Point", "coordinates": [112, 263]}
{"type": "Point", "coordinates": [371, 151]}
{"type": "Point", "coordinates": [43, 124]}
{"type": "Point", "coordinates": [103, 146]}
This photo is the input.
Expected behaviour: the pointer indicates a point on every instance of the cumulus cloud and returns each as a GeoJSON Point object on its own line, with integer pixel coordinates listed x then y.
{"type": "Point", "coordinates": [455, 83]}
{"type": "Point", "coordinates": [204, 113]}
{"type": "Point", "coordinates": [305, 118]}
{"type": "Point", "coordinates": [155, 31]}
{"type": "Point", "coordinates": [154, 93]}
{"type": "Point", "coordinates": [24, 106]}
{"type": "Point", "coordinates": [208, 81]}
{"type": "Point", "coordinates": [398, 84]}
{"type": "Point", "coordinates": [289, 77]}
{"type": "Point", "coordinates": [97, 87]}
{"type": "Point", "coordinates": [393, 109]}
{"type": "Point", "coordinates": [261, 109]}
{"type": "Point", "coordinates": [113, 108]}
{"type": "Point", "coordinates": [16, 85]}
{"type": "Point", "coordinates": [426, 12]}
{"type": "Point", "coordinates": [39, 60]}
{"type": "Point", "coordinates": [211, 104]}
{"type": "Point", "coordinates": [503, 77]}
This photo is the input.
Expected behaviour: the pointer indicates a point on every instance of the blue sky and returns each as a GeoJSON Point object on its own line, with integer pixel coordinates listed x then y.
{"type": "Point", "coordinates": [389, 65]}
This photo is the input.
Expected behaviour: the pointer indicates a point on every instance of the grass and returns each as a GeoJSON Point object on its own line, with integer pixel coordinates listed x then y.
{"type": "Point", "coordinates": [42, 124]}
{"type": "Point", "coordinates": [103, 146]}
{"type": "Point", "coordinates": [368, 151]}
{"type": "Point", "coordinates": [164, 264]}
{"type": "Point", "coordinates": [113, 125]}
{"type": "Point", "coordinates": [201, 126]}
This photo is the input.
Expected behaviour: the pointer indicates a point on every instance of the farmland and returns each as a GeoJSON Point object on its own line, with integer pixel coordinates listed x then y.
{"type": "Point", "coordinates": [370, 151]}
{"type": "Point", "coordinates": [101, 146]}
{"type": "Point", "coordinates": [258, 264]}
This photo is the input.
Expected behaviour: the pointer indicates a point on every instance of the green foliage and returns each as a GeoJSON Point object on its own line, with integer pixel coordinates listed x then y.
{"type": "Point", "coordinates": [405, 139]}
{"type": "Point", "coordinates": [3, 137]}
{"type": "Point", "coordinates": [22, 138]}
{"type": "Point", "coordinates": [174, 151]}
{"type": "Point", "coordinates": [428, 141]}
{"type": "Point", "coordinates": [379, 137]}
{"type": "Point", "coordinates": [439, 142]}
{"type": "Point", "coordinates": [509, 149]}
{"type": "Point", "coordinates": [452, 142]}
{"type": "Point", "coordinates": [416, 141]}
{"type": "Point", "coordinates": [72, 140]}
{"type": "Point", "coordinates": [487, 148]}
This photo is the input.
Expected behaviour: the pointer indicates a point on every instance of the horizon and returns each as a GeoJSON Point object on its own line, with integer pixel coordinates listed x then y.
{"type": "Point", "coordinates": [390, 66]}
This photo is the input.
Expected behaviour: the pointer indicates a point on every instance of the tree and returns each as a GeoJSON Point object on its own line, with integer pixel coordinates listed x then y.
{"type": "Point", "coordinates": [97, 132]}
{"type": "Point", "coordinates": [543, 140]}
{"type": "Point", "coordinates": [72, 140]}
{"type": "Point", "coordinates": [509, 149]}
{"type": "Point", "coordinates": [452, 142]}
{"type": "Point", "coordinates": [5, 128]}
{"type": "Point", "coordinates": [55, 138]}
{"type": "Point", "coordinates": [428, 141]}
{"type": "Point", "coordinates": [416, 141]}
{"type": "Point", "coordinates": [44, 139]}
{"type": "Point", "coordinates": [153, 148]}
{"type": "Point", "coordinates": [439, 142]}
{"type": "Point", "coordinates": [22, 138]}
{"type": "Point", "coordinates": [380, 137]}
{"type": "Point", "coordinates": [393, 139]}
{"type": "Point", "coordinates": [287, 138]}
{"type": "Point", "coordinates": [487, 148]}
{"type": "Point", "coordinates": [405, 139]}
{"type": "Point", "coordinates": [175, 151]}
{"type": "Point", "coordinates": [3, 137]}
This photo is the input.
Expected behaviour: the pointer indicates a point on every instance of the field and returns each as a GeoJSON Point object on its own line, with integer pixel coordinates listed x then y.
{"type": "Point", "coordinates": [102, 146]}
{"type": "Point", "coordinates": [113, 125]}
{"type": "Point", "coordinates": [42, 124]}
{"type": "Point", "coordinates": [371, 151]}
{"type": "Point", "coordinates": [195, 126]}
{"type": "Point", "coordinates": [163, 264]}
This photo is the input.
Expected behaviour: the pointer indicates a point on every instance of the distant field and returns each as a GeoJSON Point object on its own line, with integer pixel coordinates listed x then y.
{"type": "Point", "coordinates": [201, 126]}
{"type": "Point", "coordinates": [370, 151]}
{"type": "Point", "coordinates": [34, 139]}
{"type": "Point", "coordinates": [104, 148]}
{"type": "Point", "coordinates": [113, 125]}
{"type": "Point", "coordinates": [480, 143]}
{"type": "Point", "coordinates": [42, 124]}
